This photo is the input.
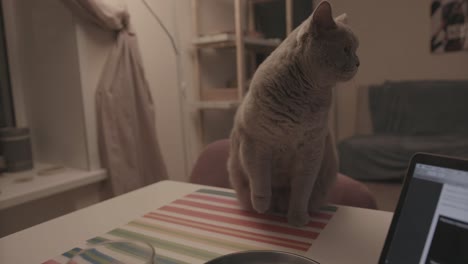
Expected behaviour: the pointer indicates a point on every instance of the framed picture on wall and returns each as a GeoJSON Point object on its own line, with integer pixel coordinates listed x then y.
{"type": "Point", "coordinates": [449, 25]}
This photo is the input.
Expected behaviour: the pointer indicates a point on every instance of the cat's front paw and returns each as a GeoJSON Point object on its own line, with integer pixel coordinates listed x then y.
{"type": "Point", "coordinates": [298, 218]}
{"type": "Point", "coordinates": [261, 203]}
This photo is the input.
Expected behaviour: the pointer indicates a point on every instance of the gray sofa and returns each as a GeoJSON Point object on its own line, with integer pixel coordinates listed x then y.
{"type": "Point", "coordinates": [405, 118]}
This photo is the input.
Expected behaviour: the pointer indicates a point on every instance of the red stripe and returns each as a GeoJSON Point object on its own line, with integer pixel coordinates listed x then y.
{"type": "Point", "coordinates": [321, 215]}
{"type": "Point", "coordinates": [242, 222]}
{"type": "Point", "coordinates": [51, 261]}
{"type": "Point", "coordinates": [234, 202]}
{"type": "Point", "coordinates": [241, 212]}
{"type": "Point", "coordinates": [232, 229]}
{"type": "Point", "coordinates": [213, 199]}
{"type": "Point", "coordinates": [219, 230]}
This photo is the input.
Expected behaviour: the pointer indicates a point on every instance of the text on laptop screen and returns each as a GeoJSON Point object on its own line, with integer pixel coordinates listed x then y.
{"type": "Point", "coordinates": [433, 223]}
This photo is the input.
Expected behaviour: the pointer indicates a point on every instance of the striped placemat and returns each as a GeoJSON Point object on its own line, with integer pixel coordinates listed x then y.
{"type": "Point", "coordinates": [201, 226]}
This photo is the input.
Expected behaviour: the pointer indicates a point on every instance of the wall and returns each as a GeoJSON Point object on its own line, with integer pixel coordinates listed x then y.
{"type": "Point", "coordinates": [55, 54]}
{"type": "Point", "coordinates": [48, 98]}
{"type": "Point", "coordinates": [215, 16]}
{"type": "Point", "coordinates": [92, 54]}
{"type": "Point", "coordinates": [394, 45]}
{"type": "Point", "coordinates": [394, 38]}
{"type": "Point", "coordinates": [56, 63]}
{"type": "Point", "coordinates": [161, 71]}
{"type": "Point", "coordinates": [46, 79]}
{"type": "Point", "coordinates": [394, 42]}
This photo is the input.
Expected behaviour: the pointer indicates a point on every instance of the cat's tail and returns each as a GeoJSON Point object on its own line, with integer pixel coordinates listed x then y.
{"type": "Point", "coordinates": [237, 176]}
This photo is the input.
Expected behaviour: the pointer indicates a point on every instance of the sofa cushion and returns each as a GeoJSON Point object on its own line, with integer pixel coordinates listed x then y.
{"type": "Point", "coordinates": [419, 107]}
{"type": "Point", "coordinates": [386, 157]}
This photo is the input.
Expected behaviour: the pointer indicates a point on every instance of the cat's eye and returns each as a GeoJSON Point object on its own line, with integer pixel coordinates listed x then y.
{"type": "Point", "coordinates": [347, 50]}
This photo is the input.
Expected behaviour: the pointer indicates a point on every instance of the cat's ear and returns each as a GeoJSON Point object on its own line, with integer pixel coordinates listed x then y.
{"type": "Point", "coordinates": [343, 18]}
{"type": "Point", "coordinates": [322, 19]}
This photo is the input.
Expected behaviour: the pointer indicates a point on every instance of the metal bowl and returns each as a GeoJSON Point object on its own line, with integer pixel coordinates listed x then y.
{"type": "Point", "coordinates": [262, 257]}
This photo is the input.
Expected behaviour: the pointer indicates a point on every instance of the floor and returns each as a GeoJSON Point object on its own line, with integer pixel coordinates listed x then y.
{"type": "Point", "coordinates": [386, 194]}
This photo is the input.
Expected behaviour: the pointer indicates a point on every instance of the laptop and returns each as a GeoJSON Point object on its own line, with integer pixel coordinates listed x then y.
{"type": "Point", "coordinates": [430, 224]}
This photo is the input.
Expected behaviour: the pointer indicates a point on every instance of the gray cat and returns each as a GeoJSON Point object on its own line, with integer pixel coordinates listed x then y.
{"type": "Point", "coordinates": [282, 154]}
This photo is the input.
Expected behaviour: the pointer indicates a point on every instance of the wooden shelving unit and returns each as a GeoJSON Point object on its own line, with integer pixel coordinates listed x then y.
{"type": "Point", "coordinates": [246, 44]}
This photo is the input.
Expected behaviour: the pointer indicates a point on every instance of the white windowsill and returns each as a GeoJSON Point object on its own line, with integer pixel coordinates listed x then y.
{"type": "Point", "coordinates": [13, 191]}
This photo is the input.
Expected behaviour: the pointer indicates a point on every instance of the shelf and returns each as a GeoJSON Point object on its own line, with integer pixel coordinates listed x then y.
{"type": "Point", "coordinates": [218, 98]}
{"type": "Point", "coordinates": [228, 40]}
{"type": "Point", "coordinates": [220, 105]}
{"type": "Point", "coordinates": [219, 94]}
{"type": "Point", "coordinates": [262, 1]}
{"type": "Point", "coordinates": [21, 187]}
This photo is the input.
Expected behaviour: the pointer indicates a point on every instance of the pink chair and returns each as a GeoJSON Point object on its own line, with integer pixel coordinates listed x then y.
{"type": "Point", "coordinates": [210, 169]}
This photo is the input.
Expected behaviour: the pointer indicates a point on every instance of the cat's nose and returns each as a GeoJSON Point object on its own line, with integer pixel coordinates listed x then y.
{"type": "Point", "coordinates": [358, 63]}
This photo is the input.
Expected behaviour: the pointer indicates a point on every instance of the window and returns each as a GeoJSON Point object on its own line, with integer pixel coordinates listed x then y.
{"type": "Point", "coordinates": [6, 106]}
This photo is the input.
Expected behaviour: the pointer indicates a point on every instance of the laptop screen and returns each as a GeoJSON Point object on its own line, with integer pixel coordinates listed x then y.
{"type": "Point", "coordinates": [432, 225]}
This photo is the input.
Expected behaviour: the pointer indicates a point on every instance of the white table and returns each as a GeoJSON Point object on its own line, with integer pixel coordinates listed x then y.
{"type": "Point", "coordinates": [353, 235]}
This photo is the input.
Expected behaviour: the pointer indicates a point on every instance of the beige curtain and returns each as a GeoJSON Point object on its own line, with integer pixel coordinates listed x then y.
{"type": "Point", "coordinates": [126, 122]}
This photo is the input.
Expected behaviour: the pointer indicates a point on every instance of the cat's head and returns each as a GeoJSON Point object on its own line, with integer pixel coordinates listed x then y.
{"type": "Point", "coordinates": [329, 44]}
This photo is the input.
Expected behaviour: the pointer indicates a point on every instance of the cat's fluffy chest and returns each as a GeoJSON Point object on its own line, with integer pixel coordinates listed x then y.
{"type": "Point", "coordinates": [286, 155]}
{"type": "Point", "coordinates": [299, 141]}
{"type": "Point", "coordinates": [311, 126]}
{"type": "Point", "coordinates": [286, 123]}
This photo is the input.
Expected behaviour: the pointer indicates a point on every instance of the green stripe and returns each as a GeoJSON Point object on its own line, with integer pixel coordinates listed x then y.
{"type": "Point", "coordinates": [167, 245]}
{"type": "Point", "coordinates": [91, 255]}
{"type": "Point", "coordinates": [159, 258]}
{"type": "Point", "coordinates": [72, 252]}
{"type": "Point", "coordinates": [222, 193]}
{"type": "Point", "coordinates": [96, 257]}
{"type": "Point", "coordinates": [194, 237]}
{"type": "Point", "coordinates": [97, 240]}
{"type": "Point", "coordinates": [135, 251]}
{"type": "Point", "coordinates": [329, 208]}
{"type": "Point", "coordinates": [128, 249]}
